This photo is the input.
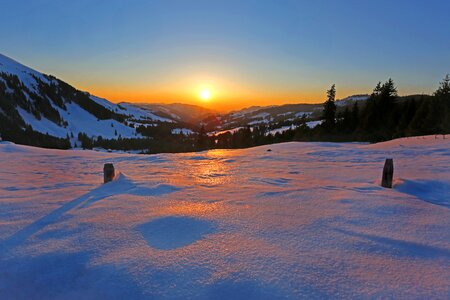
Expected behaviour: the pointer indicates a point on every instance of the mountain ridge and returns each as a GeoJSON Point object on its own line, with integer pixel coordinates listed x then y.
{"type": "Point", "coordinates": [33, 101]}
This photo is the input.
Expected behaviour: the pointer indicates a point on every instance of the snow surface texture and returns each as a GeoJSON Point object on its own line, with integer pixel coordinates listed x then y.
{"type": "Point", "coordinates": [306, 220]}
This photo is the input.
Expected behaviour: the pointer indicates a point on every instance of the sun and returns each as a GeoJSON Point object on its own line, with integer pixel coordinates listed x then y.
{"type": "Point", "coordinates": [205, 94]}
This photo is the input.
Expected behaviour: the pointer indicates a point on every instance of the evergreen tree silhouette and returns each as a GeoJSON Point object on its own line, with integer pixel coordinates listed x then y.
{"type": "Point", "coordinates": [442, 101]}
{"type": "Point", "coordinates": [444, 88]}
{"type": "Point", "coordinates": [202, 139]}
{"type": "Point", "coordinates": [355, 116]}
{"type": "Point", "coordinates": [329, 109]}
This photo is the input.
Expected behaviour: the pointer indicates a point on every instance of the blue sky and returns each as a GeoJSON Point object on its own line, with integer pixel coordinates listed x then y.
{"type": "Point", "coordinates": [246, 52]}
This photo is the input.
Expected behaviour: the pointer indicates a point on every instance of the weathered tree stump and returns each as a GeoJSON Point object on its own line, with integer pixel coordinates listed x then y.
{"type": "Point", "coordinates": [108, 172]}
{"type": "Point", "coordinates": [388, 173]}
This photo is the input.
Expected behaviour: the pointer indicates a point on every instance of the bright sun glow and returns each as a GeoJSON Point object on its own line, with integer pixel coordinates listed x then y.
{"type": "Point", "coordinates": [205, 94]}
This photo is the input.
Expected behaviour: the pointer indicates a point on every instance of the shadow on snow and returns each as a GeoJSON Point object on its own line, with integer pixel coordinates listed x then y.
{"type": "Point", "coordinates": [120, 186]}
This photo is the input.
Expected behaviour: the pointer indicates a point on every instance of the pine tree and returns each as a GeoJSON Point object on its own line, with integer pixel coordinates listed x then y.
{"type": "Point", "coordinates": [329, 109]}
{"type": "Point", "coordinates": [444, 88]}
{"type": "Point", "coordinates": [441, 106]}
{"type": "Point", "coordinates": [355, 115]}
{"type": "Point", "coordinates": [247, 136]}
{"type": "Point", "coordinates": [202, 139]}
{"type": "Point", "coordinates": [408, 111]}
{"type": "Point", "coordinates": [388, 89]}
{"type": "Point", "coordinates": [387, 107]}
{"type": "Point", "coordinates": [377, 89]}
{"type": "Point", "coordinates": [444, 95]}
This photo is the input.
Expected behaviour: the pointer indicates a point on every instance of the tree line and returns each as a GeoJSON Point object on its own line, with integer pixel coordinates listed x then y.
{"type": "Point", "coordinates": [386, 116]}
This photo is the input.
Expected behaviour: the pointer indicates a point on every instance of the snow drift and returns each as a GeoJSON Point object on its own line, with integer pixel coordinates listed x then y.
{"type": "Point", "coordinates": [306, 220]}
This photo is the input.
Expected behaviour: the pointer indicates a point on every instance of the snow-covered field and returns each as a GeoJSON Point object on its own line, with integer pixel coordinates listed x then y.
{"type": "Point", "coordinates": [305, 220]}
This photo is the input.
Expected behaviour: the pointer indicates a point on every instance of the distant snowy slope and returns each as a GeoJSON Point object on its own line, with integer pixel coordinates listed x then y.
{"type": "Point", "coordinates": [30, 99]}
{"type": "Point", "coordinates": [274, 116]}
{"type": "Point", "coordinates": [109, 105]}
{"type": "Point", "coordinates": [179, 112]}
{"type": "Point", "coordinates": [352, 99]}
{"type": "Point", "coordinates": [25, 74]}
{"type": "Point", "coordinates": [138, 113]}
{"type": "Point", "coordinates": [277, 118]}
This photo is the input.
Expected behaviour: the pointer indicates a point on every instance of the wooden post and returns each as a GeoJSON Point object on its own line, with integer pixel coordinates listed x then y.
{"type": "Point", "coordinates": [388, 173]}
{"type": "Point", "coordinates": [108, 172]}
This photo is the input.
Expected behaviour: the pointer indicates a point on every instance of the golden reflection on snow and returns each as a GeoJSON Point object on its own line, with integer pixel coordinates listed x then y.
{"type": "Point", "coordinates": [194, 209]}
{"type": "Point", "coordinates": [213, 170]}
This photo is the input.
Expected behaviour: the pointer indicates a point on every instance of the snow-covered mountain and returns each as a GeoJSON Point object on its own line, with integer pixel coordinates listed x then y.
{"type": "Point", "coordinates": [43, 103]}
{"type": "Point", "coordinates": [186, 113]}
{"type": "Point", "coordinates": [276, 115]}
{"type": "Point", "coordinates": [277, 118]}
{"type": "Point", "coordinates": [352, 99]}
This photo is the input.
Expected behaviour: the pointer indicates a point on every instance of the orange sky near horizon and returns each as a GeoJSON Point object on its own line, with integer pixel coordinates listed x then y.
{"type": "Point", "coordinates": [217, 102]}
{"type": "Point", "coordinates": [224, 98]}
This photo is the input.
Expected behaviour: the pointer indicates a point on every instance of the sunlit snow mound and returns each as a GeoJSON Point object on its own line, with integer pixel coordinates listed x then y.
{"type": "Point", "coordinates": [305, 220]}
